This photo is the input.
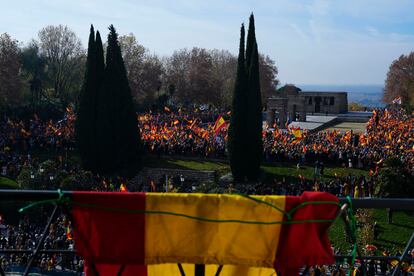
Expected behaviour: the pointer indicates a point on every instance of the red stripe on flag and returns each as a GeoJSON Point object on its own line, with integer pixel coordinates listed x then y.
{"type": "Point", "coordinates": [306, 243]}
{"type": "Point", "coordinates": [116, 269]}
{"type": "Point", "coordinates": [106, 236]}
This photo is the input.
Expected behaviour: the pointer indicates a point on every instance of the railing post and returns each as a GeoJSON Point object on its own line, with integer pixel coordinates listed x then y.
{"type": "Point", "coordinates": [180, 267]}
{"type": "Point", "coordinates": [407, 247]}
{"type": "Point", "coordinates": [199, 270]}
{"type": "Point", "coordinates": [42, 239]}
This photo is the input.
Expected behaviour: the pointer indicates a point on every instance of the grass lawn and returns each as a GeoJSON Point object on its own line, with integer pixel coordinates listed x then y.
{"type": "Point", "coordinates": [291, 173]}
{"type": "Point", "coordinates": [7, 183]}
{"type": "Point", "coordinates": [182, 163]}
{"type": "Point", "coordinates": [395, 234]}
{"type": "Point", "coordinates": [220, 166]}
{"type": "Point", "coordinates": [278, 170]}
{"type": "Point", "coordinates": [346, 126]}
{"type": "Point", "coordinates": [392, 236]}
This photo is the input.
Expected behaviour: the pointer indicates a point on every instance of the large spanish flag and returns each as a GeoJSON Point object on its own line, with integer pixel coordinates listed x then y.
{"type": "Point", "coordinates": [150, 233]}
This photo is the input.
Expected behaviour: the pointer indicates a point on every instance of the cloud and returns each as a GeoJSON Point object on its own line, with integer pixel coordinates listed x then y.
{"type": "Point", "coordinates": [372, 31]}
{"type": "Point", "coordinates": [299, 31]}
{"type": "Point", "coordinates": [319, 8]}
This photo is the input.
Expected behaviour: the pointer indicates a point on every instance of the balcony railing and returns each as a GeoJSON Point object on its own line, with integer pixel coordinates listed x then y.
{"type": "Point", "coordinates": [358, 203]}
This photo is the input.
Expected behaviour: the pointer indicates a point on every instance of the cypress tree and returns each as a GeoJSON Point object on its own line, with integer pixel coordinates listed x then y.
{"type": "Point", "coordinates": [254, 150]}
{"type": "Point", "coordinates": [117, 126]}
{"type": "Point", "coordinates": [86, 116]}
{"type": "Point", "coordinates": [100, 61]}
{"type": "Point", "coordinates": [251, 40]}
{"type": "Point", "coordinates": [236, 139]}
{"type": "Point", "coordinates": [254, 119]}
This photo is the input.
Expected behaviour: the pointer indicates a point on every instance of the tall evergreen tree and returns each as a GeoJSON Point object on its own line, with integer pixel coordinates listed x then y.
{"type": "Point", "coordinates": [253, 133]}
{"type": "Point", "coordinates": [85, 132]}
{"type": "Point", "coordinates": [236, 140]}
{"type": "Point", "coordinates": [100, 60]}
{"type": "Point", "coordinates": [119, 141]}
{"type": "Point", "coordinates": [251, 40]}
{"type": "Point", "coordinates": [254, 151]}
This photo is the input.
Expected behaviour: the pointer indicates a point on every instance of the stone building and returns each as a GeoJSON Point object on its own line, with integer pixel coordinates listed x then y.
{"type": "Point", "coordinates": [292, 104]}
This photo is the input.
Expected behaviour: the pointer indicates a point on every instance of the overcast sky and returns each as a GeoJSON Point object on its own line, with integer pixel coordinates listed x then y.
{"type": "Point", "coordinates": [312, 42]}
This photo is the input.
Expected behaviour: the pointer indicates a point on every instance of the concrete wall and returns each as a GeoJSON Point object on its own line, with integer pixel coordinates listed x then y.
{"type": "Point", "coordinates": [297, 103]}
{"type": "Point", "coordinates": [339, 104]}
{"type": "Point", "coordinates": [305, 102]}
{"type": "Point", "coordinates": [158, 174]}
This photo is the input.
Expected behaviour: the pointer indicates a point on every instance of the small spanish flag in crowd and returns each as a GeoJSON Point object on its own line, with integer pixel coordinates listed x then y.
{"type": "Point", "coordinates": [153, 186]}
{"type": "Point", "coordinates": [397, 100]}
{"type": "Point", "coordinates": [220, 123]}
{"type": "Point", "coordinates": [69, 236]}
{"type": "Point", "coordinates": [297, 132]}
{"type": "Point", "coordinates": [123, 188]}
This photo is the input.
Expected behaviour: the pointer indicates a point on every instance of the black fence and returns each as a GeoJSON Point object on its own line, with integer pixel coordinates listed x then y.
{"type": "Point", "coordinates": [360, 203]}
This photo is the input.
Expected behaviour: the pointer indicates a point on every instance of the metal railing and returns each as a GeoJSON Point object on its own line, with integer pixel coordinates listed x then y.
{"type": "Point", "coordinates": [358, 203]}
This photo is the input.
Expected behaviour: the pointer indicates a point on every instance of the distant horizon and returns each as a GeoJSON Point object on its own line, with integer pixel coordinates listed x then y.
{"type": "Point", "coordinates": [335, 84]}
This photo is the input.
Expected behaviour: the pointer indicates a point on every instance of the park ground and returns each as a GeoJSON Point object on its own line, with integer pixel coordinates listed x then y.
{"type": "Point", "coordinates": [346, 126]}
{"type": "Point", "coordinates": [391, 236]}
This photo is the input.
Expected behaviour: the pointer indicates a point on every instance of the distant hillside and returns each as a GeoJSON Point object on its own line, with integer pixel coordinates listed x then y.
{"type": "Point", "coordinates": [367, 95]}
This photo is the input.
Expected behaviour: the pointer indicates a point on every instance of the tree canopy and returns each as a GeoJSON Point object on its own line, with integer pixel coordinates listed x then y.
{"type": "Point", "coordinates": [10, 82]}
{"type": "Point", "coordinates": [400, 80]}
{"type": "Point", "coordinates": [245, 131]}
{"type": "Point", "coordinates": [51, 68]}
{"type": "Point", "coordinates": [118, 137]}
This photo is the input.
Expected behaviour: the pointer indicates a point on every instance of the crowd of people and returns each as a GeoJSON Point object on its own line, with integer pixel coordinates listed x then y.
{"type": "Point", "coordinates": [182, 134]}
{"type": "Point", "coordinates": [20, 139]}
{"type": "Point", "coordinates": [26, 236]}
{"type": "Point", "coordinates": [388, 133]}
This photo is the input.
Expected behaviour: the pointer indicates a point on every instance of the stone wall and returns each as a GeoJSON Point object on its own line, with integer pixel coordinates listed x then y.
{"type": "Point", "coordinates": [301, 103]}
{"type": "Point", "coordinates": [339, 104]}
{"type": "Point", "coordinates": [191, 177]}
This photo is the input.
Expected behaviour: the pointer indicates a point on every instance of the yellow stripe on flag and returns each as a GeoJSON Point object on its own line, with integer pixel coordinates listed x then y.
{"type": "Point", "coordinates": [169, 269]}
{"type": "Point", "coordinates": [240, 270]}
{"type": "Point", "coordinates": [297, 133]}
{"type": "Point", "coordinates": [219, 124]}
{"type": "Point", "coordinates": [210, 270]}
{"type": "Point", "coordinates": [211, 242]}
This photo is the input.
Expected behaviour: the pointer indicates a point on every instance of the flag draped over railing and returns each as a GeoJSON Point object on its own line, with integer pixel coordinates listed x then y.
{"type": "Point", "coordinates": [149, 233]}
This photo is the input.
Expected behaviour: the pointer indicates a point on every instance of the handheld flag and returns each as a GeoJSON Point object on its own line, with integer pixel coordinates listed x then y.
{"type": "Point", "coordinates": [220, 123]}
{"type": "Point", "coordinates": [123, 188]}
{"type": "Point", "coordinates": [297, 132]}
{"type": "Point", "coordinates": [69, 233]}
{"type": "Point", "coordinates": [153, 186]}
{"type": "Point", "coordinates": [397, 100]}
{"type": "Point", "coordinates": [287, 124]}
